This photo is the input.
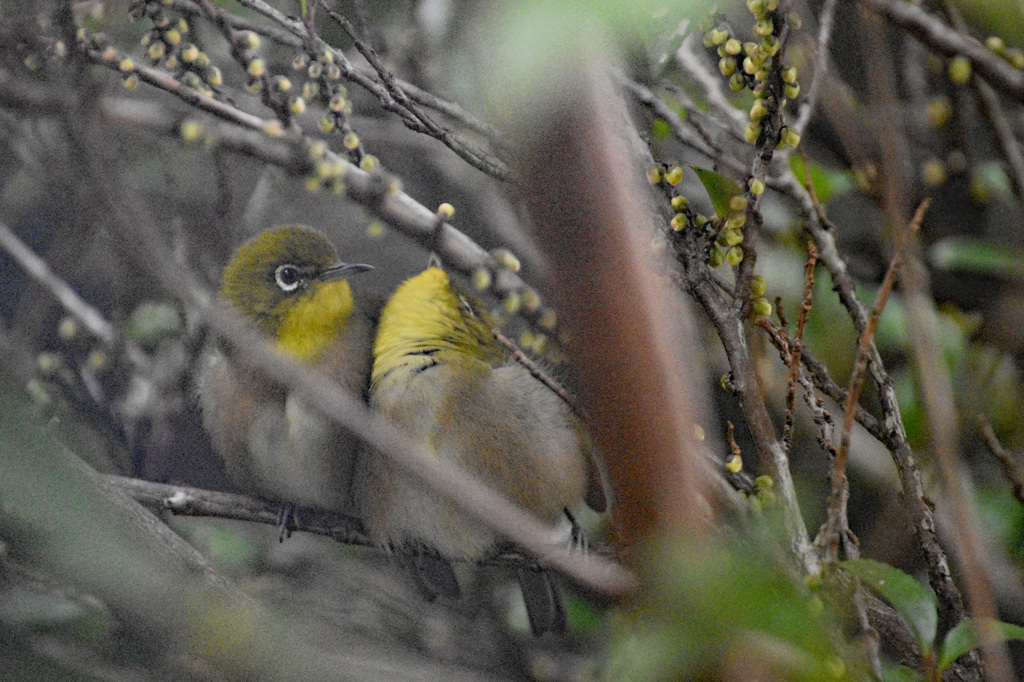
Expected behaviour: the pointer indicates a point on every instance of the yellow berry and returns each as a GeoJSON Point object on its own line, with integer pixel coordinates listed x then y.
{"type": "Point", "coordinates": [507, 259]}
{"type": "Point", "coordinates": [446, 211]}
{"type": "Point", "coordinates": [481, 279]}
{"type": "Point", "coordinates": [733, 47]}
{"type": "Point", "coordinates": [734, 256]}
{"type": "Point", "coordinates": [548, 319]}
{"type": "Point", "coordinates": [297, 106]}
{"type": "Point", "coordinates": [132, 81]}
{"type": "Point", "coordinates": [172, 36]}
{"type": "Point", "coordinates": [213, 76]}
{"type": "Point", "coordinates": [789, 75]}
{"type": "Point", "coordinates": [791, 91]}
{"type": "Point", "coordinates": [758, 110]}
{"type": "Point", "coordinates": [732, 236]}
{"type": "Point", "coordinates": [68, 328]}
{"type": "Point", "coordinates": [273, 128]}
{"type": "Point", "coordinates": [248, 40]}
{"type": "Point", "coordinates": [763, 27]}
{"type": "Point", "coordinates": [316, 150]}
{"type": "Point", "coordinates": [531, 299]}
{"type": "Point", "coordinates": [680, 203]}
{"type": "Point", "coordinates": [256, 68]}
{"type": "Point", "coordinates": [760, 307]}
{"type": "Point", "coordinates": [758, 285]}
{"type": "Point", "coordinates": [97, 360]}
{"type": "Point", "coordinates": [48, 363]}
{"type": "Point", "coordinates": [369, 163]}
{"type": "Point", "coordinates": [736, 220]}
{"type": "Point", "coordinates": [756, 187]}
{"type": "Point", "coordinates": [337, 103]}
{"type": "Point", "coordinates": [512, 303]}
{"type": "Point", "coordinates": [674, 176]}
{"type": "Point", "coordinates": [156, 51]}
{"type": "Point", "coordinates": [191, 131]}
{"type": "Point", "coordinates": [126, 65]}
{"type": "Point", "coordinates": [734, 464]}
{"type": "Point", "coordinates": [189, 53]}
{"type": "Point", "coordinates": [751, 132]}
{"type": "Point", "coordinates": [654, 176]}
{"type": "Point", "coordinates": [678, 222]}
{"type": "Point", "coordinates": [996, 44]}
{"type": "Point", "coordinates": [326, 123]}
{"type": "Point", "coordinates": [351, 141]}
{"type": "Point", "coordinates": [960, 69]}
{"type": "Point", "coordinates": [727, 66]}
{"type": "Point", "coordinates": [933, 172]}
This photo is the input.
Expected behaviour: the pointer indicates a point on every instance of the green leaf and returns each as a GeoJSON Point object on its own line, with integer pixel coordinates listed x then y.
{"type": "Point", "coordinates": [965, 636]}
{"type": "Point", "coordinates": [963, 254]}
{"type": "Point", "coordinates": [720, 189]}
{"type": "Point", "coordinates": [915, 602]}
{"type": "Point", "coordinates": [827, 183]}
{"type": "Point", "coordinates": [660, 129]}
{"type": "Point", "coordinates": [901, 674]}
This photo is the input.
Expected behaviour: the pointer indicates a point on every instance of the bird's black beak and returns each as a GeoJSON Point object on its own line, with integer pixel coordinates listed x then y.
{"type": "Point", "coordinates": [339, 270]}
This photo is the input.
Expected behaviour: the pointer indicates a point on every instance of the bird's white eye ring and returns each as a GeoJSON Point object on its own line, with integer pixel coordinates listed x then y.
{"type": "Point", "coordinates": [287, 277]}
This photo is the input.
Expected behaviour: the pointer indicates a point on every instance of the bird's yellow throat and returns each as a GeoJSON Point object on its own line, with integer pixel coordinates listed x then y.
{"type": "Point", "coordinates": [311, 322]}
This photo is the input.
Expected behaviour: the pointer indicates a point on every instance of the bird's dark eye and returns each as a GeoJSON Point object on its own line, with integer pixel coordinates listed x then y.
{"type": "Point", "coordinates": [288, 278]}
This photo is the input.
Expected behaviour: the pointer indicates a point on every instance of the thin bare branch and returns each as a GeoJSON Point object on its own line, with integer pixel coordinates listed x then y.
{"type": "Point", "coordinates": [945, 40]}
{"type": "Point", "coordinates": [73, 303]}
{"type": "Point", "coordinates": [1010, 469]}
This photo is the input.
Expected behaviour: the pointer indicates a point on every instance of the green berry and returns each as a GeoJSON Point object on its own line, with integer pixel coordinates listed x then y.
{"type": "Point", "coordinates": [716, 258]}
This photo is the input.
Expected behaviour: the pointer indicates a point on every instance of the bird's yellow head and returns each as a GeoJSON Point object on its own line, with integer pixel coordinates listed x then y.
{"type": "Point", "coordinates": [288, 280]}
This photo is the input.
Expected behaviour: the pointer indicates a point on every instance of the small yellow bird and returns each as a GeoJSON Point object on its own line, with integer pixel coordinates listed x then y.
{"type": "Point", "coordinates": [289, 281]}
{"type": "Point", "coordinates": [439, 373]}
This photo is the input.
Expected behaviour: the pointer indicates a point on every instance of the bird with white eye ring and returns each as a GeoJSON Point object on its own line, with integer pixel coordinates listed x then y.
{"type": "Point", "coordinates": [291, 284]}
